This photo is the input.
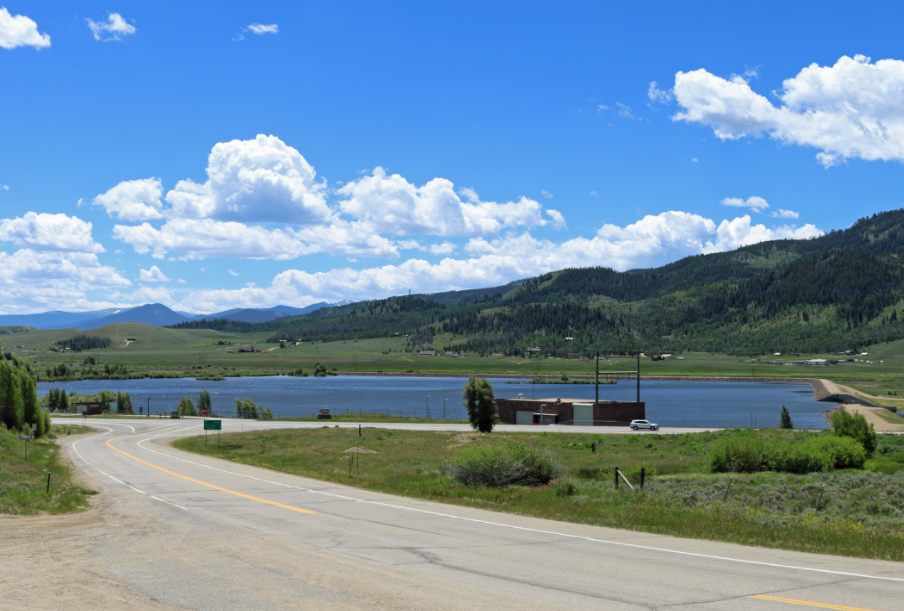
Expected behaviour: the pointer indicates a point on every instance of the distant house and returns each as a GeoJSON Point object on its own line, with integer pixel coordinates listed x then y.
{"type": "Point", "coordinates": [777, 354]}
{"type": "Point", "coordinates": [569, 339]}
{"type": "Point", "coordinates": [533, 350]}
{"type": "Point", "coordinates": [451, 354]}
{"type": "Point", "coordinates": [817, 362]}
{"type": "Point", "coordinates": [800, 362]}
{"type": "Point", "coordinates": [131, 339]}
{"type": "Point", "coordinates": [427, 352]}
{"type": "Point", "coordinates": [668, 356]}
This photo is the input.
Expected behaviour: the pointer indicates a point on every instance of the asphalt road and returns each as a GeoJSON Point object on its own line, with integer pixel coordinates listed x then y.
{"type": "Point", "coordinates": [367, 550]}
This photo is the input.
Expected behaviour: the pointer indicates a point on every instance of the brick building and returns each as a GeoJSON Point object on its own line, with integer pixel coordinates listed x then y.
{"type": "Point", "coordinates": [568, 411]}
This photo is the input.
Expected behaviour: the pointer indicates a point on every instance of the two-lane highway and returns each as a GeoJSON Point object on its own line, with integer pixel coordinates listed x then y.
{"type": "Point", "coordinates": [391, 552]}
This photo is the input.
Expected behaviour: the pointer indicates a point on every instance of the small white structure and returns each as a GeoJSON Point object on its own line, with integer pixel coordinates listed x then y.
{"type": "Point", "coordinates": [427, 352]}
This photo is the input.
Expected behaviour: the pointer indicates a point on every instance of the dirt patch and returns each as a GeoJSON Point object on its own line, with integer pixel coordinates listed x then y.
{"type": "Point", "coordinates": [462, 439]}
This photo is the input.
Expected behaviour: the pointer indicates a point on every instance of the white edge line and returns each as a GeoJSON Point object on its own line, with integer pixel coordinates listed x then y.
{"type": "Point", "coordinates": [109, 430]}
{"type": "Point", "coordinates": [524, 528]}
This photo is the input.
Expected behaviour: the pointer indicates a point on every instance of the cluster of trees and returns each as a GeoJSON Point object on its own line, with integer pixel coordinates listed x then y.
{"type": "Point", "coordinates": [217, 324]}
{"type": "Point", "coordinates": [20, 407]}
{"type": "Point", "coordinates": [188, 406]}
{"type": "Point", "coordinates": [57, 399]}
{"type": "Point", "coordinates": [63, 371]}
{"type": "Point", "coordinates": [124, 403]}
{"type": "Point", "coordinates": [247, 409]}
{"type": "Point", "coordinates": [85, 342]}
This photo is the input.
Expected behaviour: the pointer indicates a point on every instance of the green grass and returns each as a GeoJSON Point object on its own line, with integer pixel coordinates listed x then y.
{"type": "Point", "coordinates": [23, 485]}
{"type": "Point", "coordinates": [861, 513]}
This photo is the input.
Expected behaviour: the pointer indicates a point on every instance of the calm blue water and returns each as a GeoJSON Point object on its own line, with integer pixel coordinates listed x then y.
{"type": "Point", "coordinates": [681, 404]}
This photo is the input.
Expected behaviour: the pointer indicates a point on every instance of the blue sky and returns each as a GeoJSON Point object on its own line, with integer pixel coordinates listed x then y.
{"type": "Point", "coordinates": [218, 155]}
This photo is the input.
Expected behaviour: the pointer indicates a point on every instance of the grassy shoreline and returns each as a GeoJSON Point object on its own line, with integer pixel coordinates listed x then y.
{"type": "Point", "coordinates": [859, 512]}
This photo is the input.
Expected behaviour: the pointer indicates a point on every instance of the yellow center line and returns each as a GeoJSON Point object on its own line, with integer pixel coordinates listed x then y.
{"type": "Point", "coordinates": [807, 603]}
{"type": "Point", "coordinates": [214, 486]}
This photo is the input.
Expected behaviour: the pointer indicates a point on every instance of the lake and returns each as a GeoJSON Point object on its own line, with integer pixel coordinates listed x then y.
{"type": "Point", "coordinates": [669, 403]}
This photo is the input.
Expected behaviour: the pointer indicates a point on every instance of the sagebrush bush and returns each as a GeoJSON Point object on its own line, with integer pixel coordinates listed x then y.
{"type": "Point", "coordinates": [503, 464]}
{"type": "Point", "coordinates": [803, 454]}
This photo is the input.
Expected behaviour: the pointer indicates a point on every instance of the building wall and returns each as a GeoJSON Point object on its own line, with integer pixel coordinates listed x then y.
{"type": "Point", "coordinates": [602, 412]}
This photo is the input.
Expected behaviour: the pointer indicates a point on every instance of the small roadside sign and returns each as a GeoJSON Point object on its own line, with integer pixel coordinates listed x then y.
{"type": "Point", "coordinates": [203, 411]}
{"type": "Point", "coordinates": [212, 425]}
{"type": "Point", "coordinates": [26, 439]}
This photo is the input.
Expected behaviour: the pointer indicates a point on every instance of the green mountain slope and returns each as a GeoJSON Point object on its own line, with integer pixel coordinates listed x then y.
{"type": "Point", "coordinates": [836, 292]}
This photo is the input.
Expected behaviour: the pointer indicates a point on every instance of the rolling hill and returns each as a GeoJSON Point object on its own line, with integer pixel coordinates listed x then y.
{"type": "Point", "coordinates": [840, 291]}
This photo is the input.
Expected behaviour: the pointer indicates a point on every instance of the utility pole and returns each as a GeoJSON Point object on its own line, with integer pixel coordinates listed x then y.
{"type": "Point", "coordinates": [638, 377]}
{"type": "Point", "coordinates": [597, 377]}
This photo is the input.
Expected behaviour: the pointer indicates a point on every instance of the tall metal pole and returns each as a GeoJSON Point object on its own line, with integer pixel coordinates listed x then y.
{"type": "Point", "coordinates": [597, 377]}
{"type": "Point", "coordinates": [638, 378]}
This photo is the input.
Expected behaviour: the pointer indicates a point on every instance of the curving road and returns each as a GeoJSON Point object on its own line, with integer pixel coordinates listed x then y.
{"type": "Point", "coordinates": [220, 535]}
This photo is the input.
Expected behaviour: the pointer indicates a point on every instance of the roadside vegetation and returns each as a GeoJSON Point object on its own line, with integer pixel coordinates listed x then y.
{"type": "Point", "coordinates": [23, 484]}
{"type": "Point", "coordinates": [844, 511]}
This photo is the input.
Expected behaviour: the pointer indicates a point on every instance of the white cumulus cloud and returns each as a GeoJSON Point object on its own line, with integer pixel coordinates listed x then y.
{"type": "Point", "coordinates": [391, 204]}
{"type": "Point", "coordinates": [195, 239]}
{"type": "Point", "coordinates": [556, 218]}
{"type": "Point", "coordinates": [850, 110]}
{"type": "Point", "coordinates": [652, 240]}
{"type": "Point", "coordinates": [114, 28]}
{"type": "Point", "coordinates": [254, 181]}
{"type": "Point", "coordinates": [40, 280]}
{"type": "Point", "coordinates": [49, 232]}
{"type": "Point", "coordinates": [133, 200]}
{"type": "Point", "coordinates": [152, 275]}
{"type": "Point", "coordinates": [20, 31]}
{"type": "Point", "coordinates": [757, 204]}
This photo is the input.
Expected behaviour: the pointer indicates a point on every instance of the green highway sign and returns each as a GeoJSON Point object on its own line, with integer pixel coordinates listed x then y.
{"type": "Point", "coordinates": [213, 425]}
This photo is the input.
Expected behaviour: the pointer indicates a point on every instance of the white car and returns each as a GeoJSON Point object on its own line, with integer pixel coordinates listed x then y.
{"type": "Point", "coordinates": [643, 424]}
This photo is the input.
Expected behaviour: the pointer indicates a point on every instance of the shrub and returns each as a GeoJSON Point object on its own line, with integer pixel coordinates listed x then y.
{"type": "Point", "coordinates": [503, 464]}
{"type": "Point", "coordinates": [855, 425]}
{"type": "Point", "coordinates": [566, 488]}
{"type": "Point", "coordinates": [814, 453]}
{"type": "Point", "coordinates": [739, 454]}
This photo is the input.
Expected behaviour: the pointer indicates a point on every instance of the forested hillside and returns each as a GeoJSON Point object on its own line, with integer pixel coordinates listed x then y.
{"type": "Point", "coordinates": [840, 291]}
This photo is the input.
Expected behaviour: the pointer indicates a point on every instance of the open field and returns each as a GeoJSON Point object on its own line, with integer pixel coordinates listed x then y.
{"type": "Point", "coordinates": [860, 513]}
{"type": "Point", "coordinates": [23, 485]}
